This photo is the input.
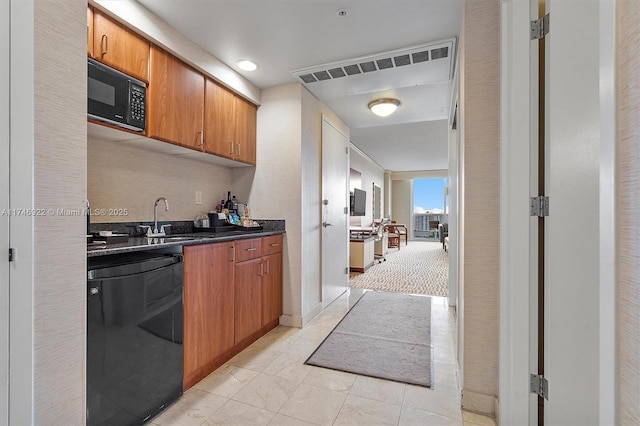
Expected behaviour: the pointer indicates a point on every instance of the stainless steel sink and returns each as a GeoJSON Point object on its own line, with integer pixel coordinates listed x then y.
{"type": "Point", "coordinates": [172, 239]}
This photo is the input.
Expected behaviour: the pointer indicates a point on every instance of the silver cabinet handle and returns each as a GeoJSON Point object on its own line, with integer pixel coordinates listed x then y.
{"type": "Point", "coordinates": [268, 268]}
{"type": "Point", "coordinates": [325, 224]}
{"type": "Point", "coordinates": [93, 291]}
{"type": "Point", "coordinates": [261, 269]}
{"type": "Point", "coordinates": [233, 254]}
{"type": "Point", "coordinates": [274, 244]}
{"type": "Point", "coordinates": [201, 137]}
{"type": "Point", "coordinates": [238, 145]}
{"type": "Point", "coordinates": [231, 148]}
{"type": "Point", "coordinates": [252, 249]}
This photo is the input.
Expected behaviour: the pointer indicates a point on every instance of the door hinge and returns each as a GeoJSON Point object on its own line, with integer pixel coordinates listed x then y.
{"type": "Point", "coordinates": [346, 150]}
{"type": "Point", "coordinates": [540, 27]}
{"type": "Point", "coordinates": [539, 385]}
{"type": "Point", "coordinates": [346, 210]}
{"type": "Point", "coordinates": [346, 270]}
{"type": "Point", "coordinates": [540, 206]}
{"type": "Point", "coordinates": [12, 254]}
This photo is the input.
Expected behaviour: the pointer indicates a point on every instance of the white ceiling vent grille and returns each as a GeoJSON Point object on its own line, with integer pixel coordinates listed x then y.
{"type": "Point", "coordinates": [380, 62]}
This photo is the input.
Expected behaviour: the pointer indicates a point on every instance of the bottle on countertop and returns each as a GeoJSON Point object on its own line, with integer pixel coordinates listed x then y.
{"type": "Point", "coordinates": [229, 204]}
{"type": "Point", "coordinates": [235, 203]}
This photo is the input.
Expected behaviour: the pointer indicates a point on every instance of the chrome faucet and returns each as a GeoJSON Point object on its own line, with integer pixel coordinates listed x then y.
{"type": "Point", "coordinates": [152, 233]}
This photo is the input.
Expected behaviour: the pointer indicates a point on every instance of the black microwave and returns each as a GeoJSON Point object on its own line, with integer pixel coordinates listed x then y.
{"type": "Point", "coordinates": [115, 98]}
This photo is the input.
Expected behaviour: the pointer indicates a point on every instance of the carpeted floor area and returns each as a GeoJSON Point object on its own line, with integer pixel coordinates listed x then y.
{"type": "Point", "coordinates": [417, 268]}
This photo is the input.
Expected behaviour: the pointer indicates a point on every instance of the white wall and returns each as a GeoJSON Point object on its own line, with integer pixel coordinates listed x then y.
{"type": "Point", "coordinates": [370, 173]}
{"type": "Point", "coordinates": [402, 203]}
{"type": "Point", "coordinates": [453, 216]}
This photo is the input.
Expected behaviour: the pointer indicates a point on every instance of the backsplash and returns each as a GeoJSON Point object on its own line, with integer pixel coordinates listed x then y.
{"type": "Point", "coordinates": [124, 181]}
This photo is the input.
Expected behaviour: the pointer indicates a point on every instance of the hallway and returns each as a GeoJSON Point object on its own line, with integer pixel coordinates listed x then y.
{"type": "Point", "coordinates": [268, 384]}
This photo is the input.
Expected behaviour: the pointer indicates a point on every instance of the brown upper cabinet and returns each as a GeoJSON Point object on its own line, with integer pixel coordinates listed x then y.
{"type": "Point", "coordinates": [230, 124]}
{"type": "Point", "coordinates": [175, 101]}
{"type": "Point", "coordinates": [119, 47]}
{"type": "Point", "coordinates": [90, 31]}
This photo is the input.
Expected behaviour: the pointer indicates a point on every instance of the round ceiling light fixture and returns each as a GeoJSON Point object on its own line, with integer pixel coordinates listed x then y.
{"type": "Point", "coordinates": [247, 65]}
{"type": "Point", "coordinates": [384, 107]}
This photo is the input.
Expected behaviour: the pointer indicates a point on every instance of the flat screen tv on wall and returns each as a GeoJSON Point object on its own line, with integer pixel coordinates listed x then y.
{"type": "Point", "coordinates": [358, 202]}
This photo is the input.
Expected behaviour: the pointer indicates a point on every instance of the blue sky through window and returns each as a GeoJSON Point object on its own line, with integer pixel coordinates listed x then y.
{"type": "Point", "coordinates": [428, 194]}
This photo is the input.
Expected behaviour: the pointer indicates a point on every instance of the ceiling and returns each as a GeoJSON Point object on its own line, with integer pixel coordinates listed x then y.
{"type": "Point", "coordinates": [285, 36]}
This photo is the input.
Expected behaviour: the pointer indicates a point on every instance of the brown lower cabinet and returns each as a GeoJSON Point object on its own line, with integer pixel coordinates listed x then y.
{"type": "Point", "coordinates": [208, 308]}
{"type": "Point", "coordinates": [232, 296]}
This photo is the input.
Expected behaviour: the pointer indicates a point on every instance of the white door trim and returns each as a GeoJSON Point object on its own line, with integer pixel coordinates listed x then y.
{"type": "Point", "coordinates": [608, 382]}
{"type": "Point", "coordinates": [515, 242]}
{"type": "Point", "coordinates": [5, 82]}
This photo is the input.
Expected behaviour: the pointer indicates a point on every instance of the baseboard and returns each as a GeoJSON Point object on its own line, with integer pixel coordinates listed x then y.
{"type": "Point", "coordinates": [479, 403]}
{"type": "Point", "coordinates": [291, 321]}
{"type": "Point", "coordinates": [311, 314]}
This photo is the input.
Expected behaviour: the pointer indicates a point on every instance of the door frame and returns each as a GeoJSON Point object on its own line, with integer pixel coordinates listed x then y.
{"type": "Point", "coordinates": [5, 135]}
{"type": "Point", "coordinates": [323, 292]}
{"type": "Point", "coordinates": [516, 274]}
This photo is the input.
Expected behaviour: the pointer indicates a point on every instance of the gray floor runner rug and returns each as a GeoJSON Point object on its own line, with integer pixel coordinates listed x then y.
{"type": "Point", "coordinates": [385, 335]}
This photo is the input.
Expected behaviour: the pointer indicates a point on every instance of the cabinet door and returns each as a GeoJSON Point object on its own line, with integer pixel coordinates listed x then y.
{"type": "Point", "coordinates": [90, 31]}
{"type": "Point", "coordinates": [248, 298]}
{"type": "Point", "coordinates": [218, 120]}
{"type": "Point", "coordinates": [119, 47]}
{"type": "Point", "coordinates": [208, 307]}
{"type": "Point", "coordinates": [175, 100]}
{"type": "Point", "coordinates": [272, 288]}
{"type": "Point", "coordinates": [245, 126]}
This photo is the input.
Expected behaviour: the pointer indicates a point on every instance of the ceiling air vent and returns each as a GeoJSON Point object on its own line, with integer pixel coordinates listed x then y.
{"type": "Point", "coordinates": [420, 57]}
{"type": "Point", "coordinates": [384, 63]}
{"type": "Point", "coordinates": [442, 52]}
{"type": "Point", "coordinates": [368, 66]}
{"type": "Point", "coordinates": [402, 60]}
{"type": "Point", "coordinates": [308, 78]}
{"type": "Point", "coordinates": [337, 72]}
{"type": "Point", "coordinates": [380, 62]}
{"type": "Point", "coordinates": [352, 69]}
{"type": "Point", "coordinates": [322, 75]}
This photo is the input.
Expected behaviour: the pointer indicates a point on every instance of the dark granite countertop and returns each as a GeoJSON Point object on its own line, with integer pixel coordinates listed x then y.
{"type": "Point", "coordinates": [181, 233]}
{"type": "Point", "coordinates": [174, 240]}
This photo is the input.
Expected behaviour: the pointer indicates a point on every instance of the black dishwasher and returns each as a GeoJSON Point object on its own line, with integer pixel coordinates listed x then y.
{"type": "Point", "coordinates": [134, 336]}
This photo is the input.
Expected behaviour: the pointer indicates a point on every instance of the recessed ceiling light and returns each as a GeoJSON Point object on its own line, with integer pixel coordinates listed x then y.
{"type": "Point", "coordinates": [384, 107]}
{"type": "Point", "coordinates": [342, 12]}
{"type": "Point", "coordinates": [247, 65]}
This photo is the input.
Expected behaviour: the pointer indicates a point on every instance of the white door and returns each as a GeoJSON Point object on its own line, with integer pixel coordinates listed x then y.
{"type": "Point", "coordinates": [4, 206]}
{"type": "Point", "coordinates": [571, 291]}
{"type": "Point", "coordinates": [335, 202]}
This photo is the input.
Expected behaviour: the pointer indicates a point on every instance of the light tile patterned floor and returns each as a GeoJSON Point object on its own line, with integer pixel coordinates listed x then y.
{"type": "Point", "coordinates": [268, 384]}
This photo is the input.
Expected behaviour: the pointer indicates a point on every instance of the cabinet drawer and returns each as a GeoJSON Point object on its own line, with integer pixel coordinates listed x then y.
{"type": "Point", "coordinates": [248, 249]}
{"type": "Point", "coordinates": [271, 244]}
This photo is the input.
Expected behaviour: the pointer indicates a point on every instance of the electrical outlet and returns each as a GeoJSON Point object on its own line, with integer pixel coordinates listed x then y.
{"type": "Point", "coordinates": [198, 197]}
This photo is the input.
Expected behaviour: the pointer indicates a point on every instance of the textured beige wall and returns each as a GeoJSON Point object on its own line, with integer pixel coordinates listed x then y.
{"type": "Point", "coordinates": [480, 111]}
{"type": "Point", "coordinates": [628, 202]}
{"type": "Point", "coordinates": [59, 264]}
{"type": "Point", "coordinates": [121, 176]}
{"type": "Point", "coordinates": [273, 187]}
{"type": "Point", "coordinates": [370, 173]}
{"type": "Point", "coordinates": [402, 202]}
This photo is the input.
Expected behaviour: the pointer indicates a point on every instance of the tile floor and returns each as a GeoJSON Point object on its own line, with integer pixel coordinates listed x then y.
{"type": "Point", "coordinates": [268, 384]}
